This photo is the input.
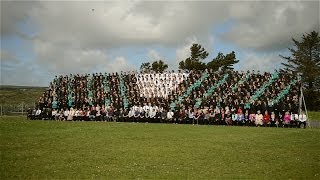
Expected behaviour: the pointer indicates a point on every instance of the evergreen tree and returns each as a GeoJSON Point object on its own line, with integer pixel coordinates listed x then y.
{"type": "Point", "coordinates": [159, 66]}
{"type": "Point", "coordinates": [226, 62]}
{"type": "Point", "coordinates": [194, 62]}
{"type": "Point", "coordinates": [145, 67]}
{"type": "Point", "coordinates": [305, 58]}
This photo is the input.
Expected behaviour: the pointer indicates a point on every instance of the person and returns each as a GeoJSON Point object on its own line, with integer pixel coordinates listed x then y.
{"type": "Point", "coordinates": [196, 117]}
{"type": "Point", "coordinates": [66, 114]}
{"type": "Point", "coordinates": [136, 115]}
{"type": "Point", "coordinates": [228, 118]}
{"type": "Point", "coordinates": [71, 114]}
{"type": "Point", "coordinates": [246, 118]}
{"type": "Point", "coordinates": [92, 114]}
{"type": "Point", "coordinates": [38, 114]}
{"type": "Point", "coordinates": [170, 116]}
{"type": "Point", "coordinates": [259, 119]}
{"type": "Point", "coordinates": [266, 119]}
{"type": "Point", "coordinates": [33, 114]}
{"type": "Point", "coordinates": [294, 120]}
{"type": "Point", "coordinates": [53, 114]}
{"type": "Point", "coordinates": [273, 119]}
{"type": "Point", "coordinates": [240, 118]}
{"type": "Point", "coordinates": [130, 115]}
{"type": "Point", "coordinates": [287, 119]}
{"type": "Point", "coordinates": [234, 117]}
{"type": "Point", "coordinates": [98, 115]}
{"type": "Point", "coordinates": [190, 116]}
{"type": "Point", "coordinates": [163, 116]}
{"type": "Point", "coordinates": [302, 119]}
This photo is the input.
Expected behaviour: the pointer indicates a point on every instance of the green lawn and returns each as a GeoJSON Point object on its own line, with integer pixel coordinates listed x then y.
{"type": "Point", "coordinates": [82, 150]}
{"type": "Point", "coordinates": [314, 115]}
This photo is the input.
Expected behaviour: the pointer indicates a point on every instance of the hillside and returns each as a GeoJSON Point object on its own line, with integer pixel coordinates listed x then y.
{"type": "Point", "coordinates": [14, 95]}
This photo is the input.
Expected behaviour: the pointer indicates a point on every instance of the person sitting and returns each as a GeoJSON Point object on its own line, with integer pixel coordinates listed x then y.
{"type": "Point", "coordinates": [286, 119]}
{"type": "Point", "coordinates": [92, 114]}
{"type": "Point", "coordinates": [53, 114]}
{"type": "Point", "coordinates": [228, 118]}
{"type": "Point", "coordinates": [170, 116]}
{"type": "Point", "coordinates": [302, 120]}
{"type": "Point", "coordinates": [71, 114]}
{"type": "Point", "coordinates": [246, 118]}
{"type": "Point", "coordinates": [234, 117]}
{"type": "Point", "coordinates": [294, 120]}
{"type": "Point", "coordinates": [66, 114]}
{"type": "Point", "coordinates": [240, 118]}
{"type": "Point", "coordinates": [273, 120]}
{"type": "Point", "coordinates": [259, 119]}
{"type": "Point", "coordinates": [38, 114]}
{"type": "Point", "coordinates": [266, 119]}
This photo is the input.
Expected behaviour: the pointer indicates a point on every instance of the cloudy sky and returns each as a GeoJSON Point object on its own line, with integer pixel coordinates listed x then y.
{"type": "Point", "coordinates": [42, 39]}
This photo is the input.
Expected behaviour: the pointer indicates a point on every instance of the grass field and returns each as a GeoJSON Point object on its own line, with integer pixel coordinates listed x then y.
{"type": "Point", "coordinates": [13, 95]}
{"type": "Point", "coordinates": [82, 150]}
{"type": "Point", "coordinates": [314, 115]}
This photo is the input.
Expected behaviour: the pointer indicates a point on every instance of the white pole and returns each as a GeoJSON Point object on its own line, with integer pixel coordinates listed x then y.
{"type": "Point", "coordinates": [305, 109]}
{"type": "Point", "coordinates": [22, 108]}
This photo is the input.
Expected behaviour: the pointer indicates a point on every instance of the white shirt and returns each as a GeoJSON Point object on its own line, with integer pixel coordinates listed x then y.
{"type": "Point", "coordinates": [38, 112]}
{"type": "Point", "coordinates": [170, 115]}
{"type": "Point", "coordinates": [66, 113]}
{"type": "Point", "coordinates": [302, 118]}
{"type": "Point", "coordinates": [54, 112]}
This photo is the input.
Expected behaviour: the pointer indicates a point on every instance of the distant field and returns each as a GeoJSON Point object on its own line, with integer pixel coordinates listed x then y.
{"type": "Point", "coordinates": [83, 150]}
{"type": "Point", "coordinates": [12, 95]}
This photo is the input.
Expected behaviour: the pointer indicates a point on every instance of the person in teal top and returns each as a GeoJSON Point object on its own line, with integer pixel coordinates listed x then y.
{"type": "Point", "coordinates": [54, 104]}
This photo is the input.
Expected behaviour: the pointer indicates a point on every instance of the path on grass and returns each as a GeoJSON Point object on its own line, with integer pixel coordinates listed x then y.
{"type": "Point", "coordinates": [315, 124]}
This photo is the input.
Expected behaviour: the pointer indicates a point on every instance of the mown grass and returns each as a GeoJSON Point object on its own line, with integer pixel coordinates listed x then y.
{"type": "Point", "coordinates": [314, 115]}
{"type": "Point", "coordinates": [82, 150]}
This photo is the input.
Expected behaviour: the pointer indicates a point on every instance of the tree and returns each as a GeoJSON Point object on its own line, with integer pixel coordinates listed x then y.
{"type": "Point", "coordinates": [198, 53]}
{"type": "Point", "coordinates": [145, 67]}
{"type": "Point", "coordinates": [224, 61]}
{"type": "Point", "coordinates": [159, 66]}
{"type": "Point", "coordinates": [305, 58]}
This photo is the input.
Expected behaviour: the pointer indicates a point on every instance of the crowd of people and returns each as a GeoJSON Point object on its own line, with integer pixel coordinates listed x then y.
{"type": "Point", "coordinates": [196, 97]}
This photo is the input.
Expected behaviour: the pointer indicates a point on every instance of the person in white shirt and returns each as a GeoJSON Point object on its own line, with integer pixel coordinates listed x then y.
{"type": "Point", "coordinates": [66, 114]}
{"type": "Point", "coordinates": [54, 113]}
{"type": "Point", "coordinates": [38, 114]}
{"type": "Point", "coordinates": [302, 119]}
{"type": "Point", "coordinates": [71, 114]}
{"type": "Point", "coordinates": [145, 107]}
{"type": "Point", "coordinates": [170, 116]}
{"type": "Point", "coordinates": [131, 114]}
{"type": "Point", "coordinates": [259, 119]}
{"type": "Point", "coordinates": [76, 115]}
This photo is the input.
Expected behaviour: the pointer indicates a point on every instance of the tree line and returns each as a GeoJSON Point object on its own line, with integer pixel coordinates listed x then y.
{"type": "Point", "coordinates": [195, 61]}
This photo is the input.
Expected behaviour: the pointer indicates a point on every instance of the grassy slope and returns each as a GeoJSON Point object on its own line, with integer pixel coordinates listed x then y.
{"type": "Point", "coordinates": [49, 149]}
{"type": "Point", "coordinates": [14, 95]}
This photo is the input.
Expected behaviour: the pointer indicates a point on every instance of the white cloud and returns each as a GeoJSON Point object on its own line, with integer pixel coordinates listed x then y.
{"type": "Point", "coordinates": [260, 62]}
{"type": "Point", "coordinates": [154, 55]}
{"type": "Point", "coordinates": [183, 51]}
{"type": "Point", "coordinates": [119, 64]}
{"type": "Point", "coordinates": [270, 25]}
{"type": "Point", "coordinates": [77, 36]}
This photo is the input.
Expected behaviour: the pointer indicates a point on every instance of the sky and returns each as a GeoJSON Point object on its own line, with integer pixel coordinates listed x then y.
{"type": "Point", "coordinates": [41, 39]}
